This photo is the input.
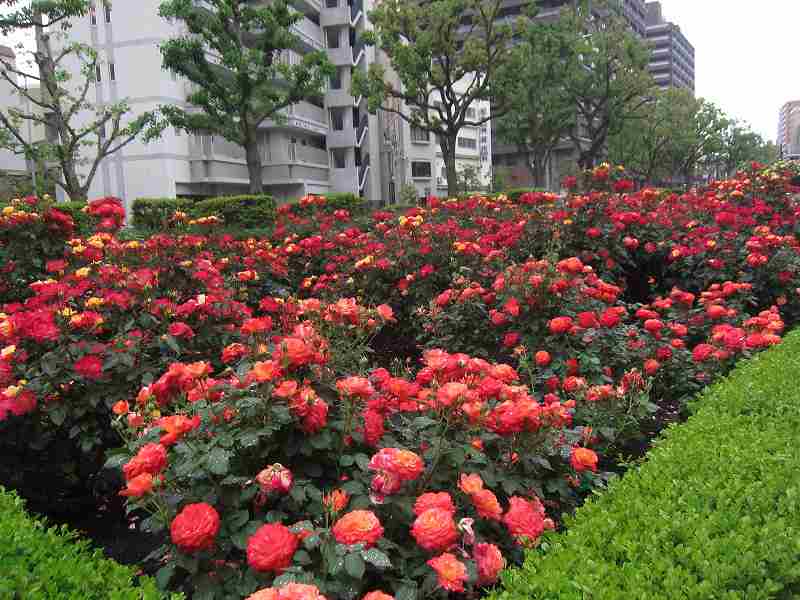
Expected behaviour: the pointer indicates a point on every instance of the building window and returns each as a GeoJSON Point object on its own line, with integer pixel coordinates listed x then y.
{"type": "Point", "coordinates": [336, 80]}
{"type": "Point", "coordinates": [93, 14]}
{"type": "Point", "coordinates": [339, 158]}
{"type": "Point", "coordinates": [293, 150]}
{"type": "Point", "coordinates": [337, 119]}
{"type": "Point", "coordinates": [471, 113]}
{"type": "Point", "coordinates": [97, 74]}
{"type": "Point", "coordinates": [420, 169]}
{"type": "Point", "coordinates": [464, 142]}
{"type": "Point", "coordinates": [332, 37]}
{"type": "Point", "coordinates": [331, 3]}
{"type": "Point", "coordinates": [112, 75]}
{"type": "Point", "coordinates": [107, 10]}
{"type": "Point", "coordinates": [420, 135]}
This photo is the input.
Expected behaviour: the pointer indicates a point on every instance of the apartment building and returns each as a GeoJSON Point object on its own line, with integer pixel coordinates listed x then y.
{"type": "Point", "coordinates": [324, 146]}
{"type": "Point", "coordinates": [789, 130]}
{"type": "Point", "coordinates": [672, 58]}
{"type": "Point", "coordinates": [11, 164]}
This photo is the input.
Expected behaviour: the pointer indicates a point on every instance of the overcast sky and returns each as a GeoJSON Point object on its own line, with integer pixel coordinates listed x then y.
{"type": "Point", "coordinates": [747, 53]}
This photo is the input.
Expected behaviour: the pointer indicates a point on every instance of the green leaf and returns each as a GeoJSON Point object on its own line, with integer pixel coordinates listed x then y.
{"type": "Point", "coordinates": [377, 558]}
{"type": "Point", "coordinates": [407, 592]}
{"type": "Point", "coordinates": [217, 461]}
{"type": "Point", "coordinates": [164, 574]}
{"type": "Point", "coordinates": [354, 565]}
{"type": "Point", "coordinates": [301, 557]}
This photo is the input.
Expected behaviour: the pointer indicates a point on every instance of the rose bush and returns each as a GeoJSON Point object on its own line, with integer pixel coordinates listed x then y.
{"type": "Point", "coordinates": [362, 404]}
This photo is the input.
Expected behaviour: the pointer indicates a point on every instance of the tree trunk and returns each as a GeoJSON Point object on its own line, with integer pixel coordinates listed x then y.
{"type": "Point", "coordinates": [72, 185]}
{"type": "Point", "coordinates": [254, 165]}
{"type": "Point", "coordinates": [448, 146]}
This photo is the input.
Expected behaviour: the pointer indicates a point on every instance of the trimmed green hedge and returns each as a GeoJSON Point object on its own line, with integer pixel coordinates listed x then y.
{"type": "Point", "coordinates": [38, 562]}
{"type": "Point", "coordinates": [713, 513]}
{"type": "Point", "coordinates": [245, 211]}
{"type": "Point", "coordinates": [154, 213]}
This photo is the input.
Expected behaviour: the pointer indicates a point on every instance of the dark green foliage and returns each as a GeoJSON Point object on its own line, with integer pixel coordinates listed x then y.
{"type": "Point", "coordinates": [41, 562]}
{"type": "Point", "coordinates": [343, 200]}
{"type": "Point", "coordinates": [245, 211]}
{"type": "Point", "coordinates": [714, 513]}
{"type": "Point", "coordinates": [155, 213]}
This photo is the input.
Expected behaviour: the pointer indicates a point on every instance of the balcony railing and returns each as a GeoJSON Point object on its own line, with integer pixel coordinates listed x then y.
{"type": "Point", "coordinates": [363, 125]}
{"type": "Point", "coordinates": [358, 51]}
{"type": "Point", "coordinates": [356, 10]}
{"type": "Point", "coordinates": [363, 169]}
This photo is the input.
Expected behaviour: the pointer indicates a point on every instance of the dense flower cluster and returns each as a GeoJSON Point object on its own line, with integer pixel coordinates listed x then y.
{"type": "Point", "coordinates": [366, 404]}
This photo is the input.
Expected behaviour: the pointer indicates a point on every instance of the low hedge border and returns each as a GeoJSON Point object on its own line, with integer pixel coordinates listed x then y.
{"type": "Point", "coordinates": [155, 213]}
{"type": "Point", "coordinates": [41, 562]}
{"type": "Point", "coordinates": [713, 513]}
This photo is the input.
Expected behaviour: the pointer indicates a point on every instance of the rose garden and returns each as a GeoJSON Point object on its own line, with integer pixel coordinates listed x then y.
{"type": "Point", "coordinates": [322, 400]}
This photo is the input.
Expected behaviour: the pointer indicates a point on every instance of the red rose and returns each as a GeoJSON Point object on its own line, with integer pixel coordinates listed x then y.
{"type": "Point", "coordinates": [489, 561]}
{"type": "Point", "coordinates": [271, 548]}
{"type": "Point", "coordinates": [542, 358]}
{"type": "Point", "coordinates": [89, 367]}
{"type": "Point", "coordinates": [195, 527]}
{"type": "Point", "coordinates": [702, 352]}
{"type": "Point", "coordinates": [560, 325]}
{"type": "Point", "coordinates": [525, 520]}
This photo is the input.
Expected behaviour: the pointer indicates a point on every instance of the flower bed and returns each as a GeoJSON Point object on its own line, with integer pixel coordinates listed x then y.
{"type": "Point", "coordinates": [718, 499]}
{"type": "Point", "coordinates": [371, 402]}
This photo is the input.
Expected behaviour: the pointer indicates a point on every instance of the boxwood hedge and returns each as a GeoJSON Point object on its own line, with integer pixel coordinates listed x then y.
{"type": "Point", "coordinates": [41, 562]}
{"type": "Point", "coordinates": [713, 513]}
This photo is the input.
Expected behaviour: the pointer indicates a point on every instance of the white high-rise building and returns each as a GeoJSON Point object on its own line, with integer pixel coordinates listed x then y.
{"type": "Point", "coordinates": [330, 146]}
{"type": "Point", "coordinates": [11, 164]}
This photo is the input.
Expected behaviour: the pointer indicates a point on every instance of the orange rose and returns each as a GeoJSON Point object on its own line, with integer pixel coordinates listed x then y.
{"type": "Point", "coordinates": [120, 408]}
{"type": "Point", "coordinates": [435, 530]}
{"type": "Point", "coordinates": [469, 484]}
{"type": "Point", "coordinates": [265, 370]}
{"type": "Point", "coordinates": [138, 486]}
{"type": "Point", "coordinates": [434, 500]}
{"type": "Point", "coordinates": [486, 504]}
{"type": "Point", "coordinates": [358, 526]}
{"type": "Point", "coordinates": [386, 313]}
{"type": "Point", "coordinates": [271, 548]}
{"type": "Point", "coordinates": [404, 464]}
{"type": "Point", "coordinates": [452, 572]}
{"type": "Point", "coordinates": [377, 595]}
{"type": "Point", "coordinates": [151, 458]}
{"type": "Point", "coordinates": [290, 591]}
{"type": "Point", "coordinates": [336, 501]}
{"type": "Point", "coordinates": [583, 459]}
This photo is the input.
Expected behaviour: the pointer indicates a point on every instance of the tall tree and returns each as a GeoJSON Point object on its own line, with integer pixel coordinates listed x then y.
{"type": "Point", "coordinates": [741, 145]}
{"type": "Point", "coordinates": [703, 141]}
{"type": "Point", "coordinates": [541, 113]}
{"type": "Point", "coordinates": [446, 55]}
{"type": "Point", "coordinates": [608, 80]}
{"type": "Point", "coordinates": [234, 54]}
{"type": "Point", "coordinates": [81, 134]}
{"type": "Point", "coordinates": [662, 129]}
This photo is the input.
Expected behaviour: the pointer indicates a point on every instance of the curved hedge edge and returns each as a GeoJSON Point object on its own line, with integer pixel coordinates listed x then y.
{"type": "Point", "coordinates": [713, 513]}
{"type": "Point", "coordinates": [42, 562]}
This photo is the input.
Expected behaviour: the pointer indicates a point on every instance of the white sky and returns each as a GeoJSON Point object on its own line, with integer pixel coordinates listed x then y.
{"type": "Point", "coordinates": [747, 54]}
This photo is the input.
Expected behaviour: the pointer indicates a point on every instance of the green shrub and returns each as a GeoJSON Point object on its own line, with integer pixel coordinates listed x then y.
{"type": "Point", "coordinates": [38, 562]}
{"type": "Point", "coordinates": [713, 513]}
{"type": "Point", "coordinates": [245, 211]}
{"type": "Point", "coordinates": [154, 213]}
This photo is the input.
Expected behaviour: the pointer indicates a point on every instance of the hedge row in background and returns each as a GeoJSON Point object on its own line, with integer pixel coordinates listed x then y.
{"type": "Point", "coordinates": [714, 513]}
{"type": "Point", "coordinates": [38, 562]}
{"type": "Point", "coordinates": [243, 212]}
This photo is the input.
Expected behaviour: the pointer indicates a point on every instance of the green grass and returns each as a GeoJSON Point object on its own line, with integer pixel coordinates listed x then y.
{"type": "Point", "coordinates": [713, 513]}
{"type": "Point", "coordinates": [40, 562]}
